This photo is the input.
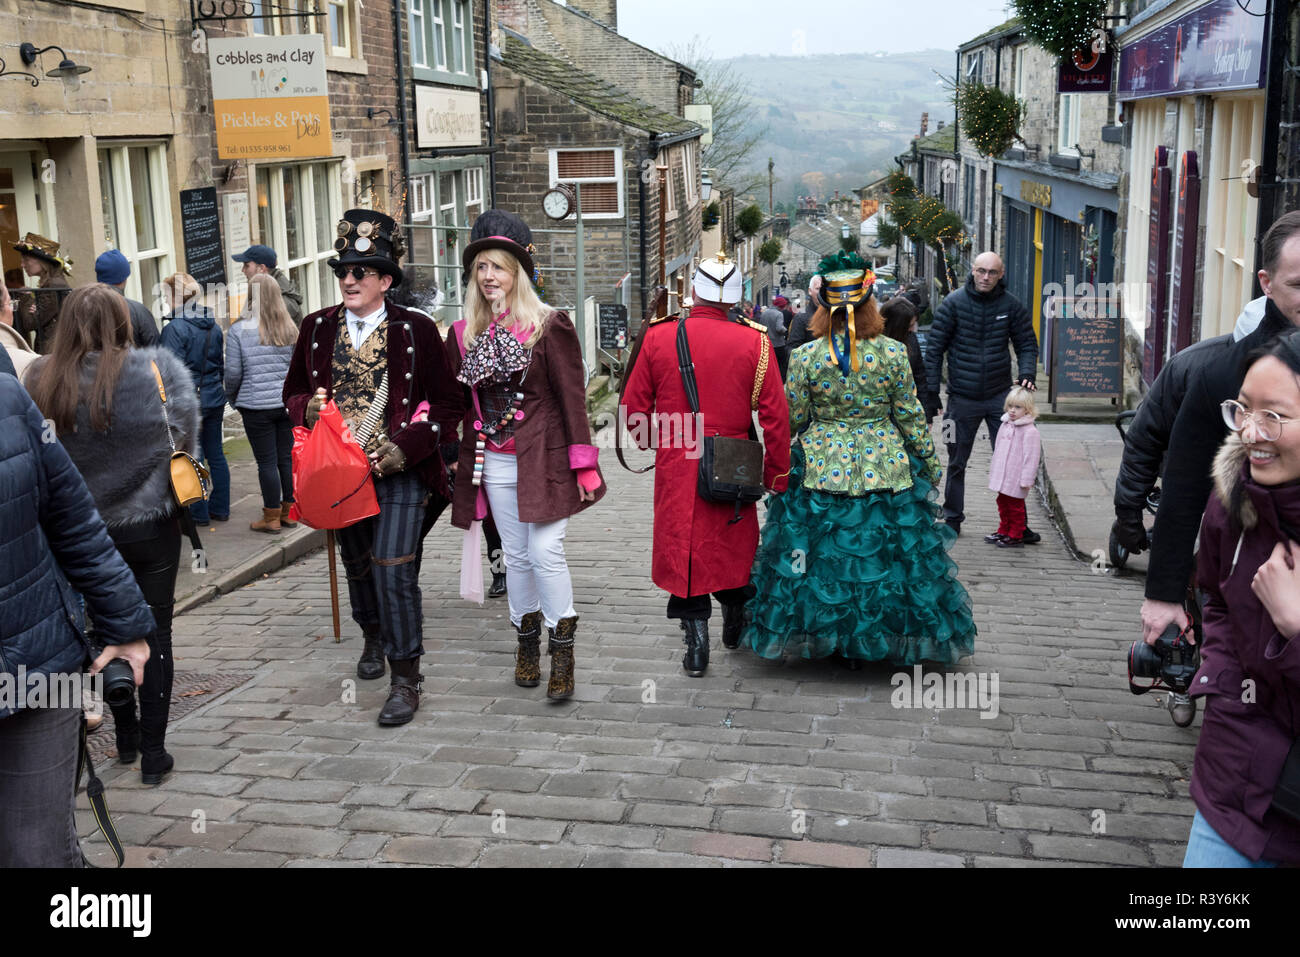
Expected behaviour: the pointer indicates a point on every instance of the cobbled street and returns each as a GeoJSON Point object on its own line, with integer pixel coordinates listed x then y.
{"type": "Point", "coordinates": [794, 763]}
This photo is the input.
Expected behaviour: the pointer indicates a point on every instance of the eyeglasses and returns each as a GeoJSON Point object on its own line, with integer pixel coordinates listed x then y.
{"type": "Point", "coordinates": [988, 272]}
{"type": "Point", "coordinates": [1267, 423]}
{"type": "Point", "coordinates": [358, 272]}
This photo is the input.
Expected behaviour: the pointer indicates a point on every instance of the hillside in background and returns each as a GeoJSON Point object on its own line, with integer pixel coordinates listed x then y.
{"type": "Point", "coordinates": [844, 117]}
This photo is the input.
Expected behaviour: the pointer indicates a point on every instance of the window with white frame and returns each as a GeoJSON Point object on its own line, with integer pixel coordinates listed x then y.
{"type": "Point", "coordinates": [445, 41]}
{"type": "Point", "coordinates": [598, 171]}
{"type": "Point", "coordinates": [688, 168]}
{"type": "Point", "coordinates": [420, 206]}
{"type": "Point", "coordinates": [1020, 78]}
{"type": "Point", "coordinates": [419, 48]}
{"type": "Point", "coordinates": [137, 213]}
{"type": "Point", "coordinates": [473, 193]}
{"type": "Point", "coordinates": [1067, 137]}
{"type": "Point", "coordinates": [298, 207]}
{"type": "Point", "coordinates": [338, 37]}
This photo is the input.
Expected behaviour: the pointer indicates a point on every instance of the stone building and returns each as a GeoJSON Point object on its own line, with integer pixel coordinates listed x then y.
{"type": "Point", "coordinates": [931, 163]}
{"type": "Point", "coordinates": [558, 121]}
{"type": "Point", "coordinates": [104, 165]}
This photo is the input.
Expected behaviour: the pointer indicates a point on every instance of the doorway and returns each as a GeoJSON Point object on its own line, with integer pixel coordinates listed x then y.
{"type": "Point", "coordinates": [20, 212]}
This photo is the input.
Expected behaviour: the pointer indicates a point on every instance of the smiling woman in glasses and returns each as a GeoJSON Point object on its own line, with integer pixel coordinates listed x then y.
{"type": "Point", "coordinates": [385, 368]}
{"type": "Point", "coordinates": [1243, 784]}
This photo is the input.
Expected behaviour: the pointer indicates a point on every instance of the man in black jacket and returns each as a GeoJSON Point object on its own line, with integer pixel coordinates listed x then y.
{"type": "Point", "coordinates": [973, 326]}
{"type": "Point", "coordinates": [1199, 430]}
{"type": "Point", "coordinates": [797, 332]}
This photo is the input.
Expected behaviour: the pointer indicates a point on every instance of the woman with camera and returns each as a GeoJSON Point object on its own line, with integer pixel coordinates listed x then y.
{"type": "Point", "coordinates": [103, 398]}
{"type": "Point", "coordinates": [1246, 775]}
{"type": "Point", "coordinates": [526, 448]}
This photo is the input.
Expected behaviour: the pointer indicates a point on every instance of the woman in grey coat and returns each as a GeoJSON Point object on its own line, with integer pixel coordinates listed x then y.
{"type": "Point", "coordinates": [103, 398]}
{"type": "Point", "coordinates": [258, 350]}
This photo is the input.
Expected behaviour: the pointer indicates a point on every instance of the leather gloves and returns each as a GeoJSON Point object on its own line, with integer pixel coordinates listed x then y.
{"type": "Point", "coordinates": [312, 412]}
{"type": "Point", "coordinates": [1131, 532]}
{"type": "Point", "coordinates": [388, 459]}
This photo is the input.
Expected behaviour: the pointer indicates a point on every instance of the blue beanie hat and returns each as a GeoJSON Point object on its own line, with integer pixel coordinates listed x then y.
{"type": "Point", "coordinates": [112, 268]}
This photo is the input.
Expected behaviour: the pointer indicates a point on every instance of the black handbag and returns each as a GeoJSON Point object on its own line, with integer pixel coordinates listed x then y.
{"type": "Point", "coordinates": [731, 470]}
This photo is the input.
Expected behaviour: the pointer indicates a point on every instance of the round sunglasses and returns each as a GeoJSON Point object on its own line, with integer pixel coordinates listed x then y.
{"type": "Point", "coordinates": [358, 272]}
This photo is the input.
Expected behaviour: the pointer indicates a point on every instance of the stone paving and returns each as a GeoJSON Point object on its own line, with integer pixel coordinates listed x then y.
{"type": "Point", "coordinates": [795, 763]}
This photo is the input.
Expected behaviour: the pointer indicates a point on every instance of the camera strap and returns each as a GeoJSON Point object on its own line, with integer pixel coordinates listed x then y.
{"type": "Point", "coordinates": [95, 794]}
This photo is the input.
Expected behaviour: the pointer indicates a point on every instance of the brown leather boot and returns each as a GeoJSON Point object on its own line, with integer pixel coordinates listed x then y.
{"type": "Point", "coordinates": [528, 663]}
{"type": "Point", "coordinates": [560, 648]}
{"type": "Point", "coordinates": [284, 516]}
{"type": "Point", "coordinates": [403, 694]}
{"type": "Point", "coordinates": [270, 521]}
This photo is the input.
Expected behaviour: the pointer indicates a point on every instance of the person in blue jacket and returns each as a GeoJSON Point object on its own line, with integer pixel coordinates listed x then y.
{"type": "Point", "coordinates": [52, 541]}
{"type": "Point", "coordinates": [194, 336]}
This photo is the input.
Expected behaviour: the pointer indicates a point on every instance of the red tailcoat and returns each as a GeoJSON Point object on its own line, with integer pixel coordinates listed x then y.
{"type": "Point", "coordinates": [695, 550]}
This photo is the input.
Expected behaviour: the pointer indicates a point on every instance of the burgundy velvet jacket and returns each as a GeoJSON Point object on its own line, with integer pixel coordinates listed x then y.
{"type": "Point", "coordinates": [418, 372]}
{"type": "Point", "coordinates": [553, 438]}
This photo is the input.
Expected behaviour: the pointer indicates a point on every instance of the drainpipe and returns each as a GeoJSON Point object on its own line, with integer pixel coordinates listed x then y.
{"type": "Point", "coordinates": [402, 126]}
{"type": "Point", "coordinates": [491, 100]}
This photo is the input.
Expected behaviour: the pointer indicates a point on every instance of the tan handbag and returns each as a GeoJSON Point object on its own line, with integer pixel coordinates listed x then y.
{"type": "Point", "coordinates": [191, 482]}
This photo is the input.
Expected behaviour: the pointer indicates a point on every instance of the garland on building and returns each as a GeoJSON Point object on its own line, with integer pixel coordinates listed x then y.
{"type": "Point", "coordinates": [1061, 27]}
{"type": "Point", "coordinates": [770, 251]}
{"type": "Point", "coordinates": [921, 218]}
{"type": "Point", "coordinates": [989, 117]}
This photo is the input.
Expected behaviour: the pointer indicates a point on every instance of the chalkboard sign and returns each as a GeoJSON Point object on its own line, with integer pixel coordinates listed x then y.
{"type": "Point", "coordinates": [613, 326]}
{"type": "Point", "coordinates": [201, 228]}
{"type": "Point", "coordinates": [1087, 349]}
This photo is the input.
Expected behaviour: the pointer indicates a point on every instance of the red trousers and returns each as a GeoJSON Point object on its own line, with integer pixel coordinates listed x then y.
{"type": "Point", "coordinates": [1011, 511]}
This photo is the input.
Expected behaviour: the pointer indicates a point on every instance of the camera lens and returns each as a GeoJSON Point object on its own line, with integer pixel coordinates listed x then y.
{"type": "Point", "coordinates": [1144, 661]}
{"type": "Point", "coordinates": [119, 683]}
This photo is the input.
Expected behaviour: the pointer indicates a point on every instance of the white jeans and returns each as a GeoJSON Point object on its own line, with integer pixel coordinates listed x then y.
{"type": "Point", "coordinates": [537, 575]}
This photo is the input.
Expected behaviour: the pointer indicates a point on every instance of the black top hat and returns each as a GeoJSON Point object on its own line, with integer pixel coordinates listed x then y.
{"type": "Point", "coordinates": [497, 229]}
{"type": "Point", "coordinates": [369, 238]}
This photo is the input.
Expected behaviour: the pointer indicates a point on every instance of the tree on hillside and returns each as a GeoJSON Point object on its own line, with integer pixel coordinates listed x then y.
{"type": "Point", "coordinates": [734, 136]}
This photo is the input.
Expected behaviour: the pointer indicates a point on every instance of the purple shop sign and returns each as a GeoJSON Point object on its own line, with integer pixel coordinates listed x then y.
{"type": "Point", "coordinates": [1218, 46]}
{"type": "Point", "coordinates": [1086, 72]}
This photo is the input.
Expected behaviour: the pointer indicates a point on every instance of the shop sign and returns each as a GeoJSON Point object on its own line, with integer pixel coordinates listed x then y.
{"type": "Point", "coordinates": [1218, 46]}
{"type": "Point", "coordinates": [1039, 194]}
{"type": "Point", "coordinates": [447, 117]}
{"type": "Point", "coordinates": [1085, 72]}
{"type": "Point", "coordinates": [269, 97]}
{"type": "Point", "coordinates": [1153, 350]}
{"type": "Point", "coordinates": [1183, 279]}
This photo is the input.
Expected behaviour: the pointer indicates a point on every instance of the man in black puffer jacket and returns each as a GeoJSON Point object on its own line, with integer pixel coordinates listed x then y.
{"type": "Point", "coordinates": [973, 326]}
{"type": "Point", "coordinates": [51, 542]}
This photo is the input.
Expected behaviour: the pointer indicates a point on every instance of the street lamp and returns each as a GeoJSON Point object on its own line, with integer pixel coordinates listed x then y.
{"type": "Point", "coordinates": [68, 70]}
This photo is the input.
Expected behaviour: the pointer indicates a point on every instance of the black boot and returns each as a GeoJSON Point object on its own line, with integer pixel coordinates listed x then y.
{"type": "Point", "coordinates": [498, 585]}
{"type": "Point", "coordinates": [528, 657]}
{"type": "Point", "coordinates": [696, 659]}
{"type": "Point", "coordinates": [155, 706]}
{"type": "Point", "coordinates": [404, 693]}
{"type": "Point", "coordinates": [127, 728]}
{"type": "Point", "coordinates": [733, 623]}
{"type": "Point", "coordinates": [371, 664]}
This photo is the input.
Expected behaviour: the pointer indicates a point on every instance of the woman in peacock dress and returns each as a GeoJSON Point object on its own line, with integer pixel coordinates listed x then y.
{"type": "Point", "coordinates": [854, 560]}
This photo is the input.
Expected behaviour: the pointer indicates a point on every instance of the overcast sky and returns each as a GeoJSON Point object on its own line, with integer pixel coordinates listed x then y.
{"type": "Point", "coordinates": [738, 27]}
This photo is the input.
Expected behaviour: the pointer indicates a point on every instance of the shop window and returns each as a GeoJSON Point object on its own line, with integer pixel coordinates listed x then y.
{"type": "Point", "coordinates": [1148, 123]}
{"type": "Point", "coordinates": [297, 209]}
{"type": "Point", "coordinates": [598, 170]}
{"type": "Point", "coordinates": [137, 213]}
{"type": "Point", "coordinates": [473, 194]}
{"type": "Point", "coordinates": [1230, 212]}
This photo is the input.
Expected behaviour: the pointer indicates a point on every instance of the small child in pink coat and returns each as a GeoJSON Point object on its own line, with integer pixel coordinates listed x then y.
{"type": "Point", "coordinates": [1014, 467]}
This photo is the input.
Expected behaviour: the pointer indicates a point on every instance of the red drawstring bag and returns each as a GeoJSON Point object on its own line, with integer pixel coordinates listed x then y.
{"type": "Point", "coordinates": [331, 474]}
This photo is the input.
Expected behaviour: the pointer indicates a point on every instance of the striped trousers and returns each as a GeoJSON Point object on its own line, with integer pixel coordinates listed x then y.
{"type": "Point", "coordinates": [381, 558]}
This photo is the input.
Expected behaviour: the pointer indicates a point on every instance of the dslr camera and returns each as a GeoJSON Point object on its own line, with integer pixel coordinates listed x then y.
{"type": "Point", "coordinates": [118, 677]}
{"type": "Point", "coordinates": [1171, 661]}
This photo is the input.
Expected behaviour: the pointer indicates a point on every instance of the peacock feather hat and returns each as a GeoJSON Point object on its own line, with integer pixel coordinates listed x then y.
{"type": "Point", "coordinates": [847, 281]}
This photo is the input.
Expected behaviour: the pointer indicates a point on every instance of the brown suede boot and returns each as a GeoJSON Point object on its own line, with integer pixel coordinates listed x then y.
{"type": "Point", "coordinates": [560, 648]}
{"type": "Point", "coordinates": [284, 516]}
{"type": "Point", "coordinates": [270, 521]}
{"type": "Point", "coordinates": [528, 664]}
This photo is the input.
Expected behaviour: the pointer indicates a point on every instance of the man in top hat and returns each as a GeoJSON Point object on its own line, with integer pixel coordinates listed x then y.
{"type": "Point", "coordinates": [262, 259]}
{"type": "Point", "coordinates": [368, 353]}
{"type": "Point", "coordinates": [112, 269]}
{"type": "Point", "coordinates": [38, 311]}
{"type": "Point", "coordinates": [703, 547]}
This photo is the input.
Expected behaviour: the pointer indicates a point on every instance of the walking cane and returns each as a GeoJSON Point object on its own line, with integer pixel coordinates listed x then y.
{"type": "Point", "coordinates": [334, 584]}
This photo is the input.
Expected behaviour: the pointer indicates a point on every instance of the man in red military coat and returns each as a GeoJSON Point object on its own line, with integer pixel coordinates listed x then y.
{"type": "Point", "coordinates": [700, 547]}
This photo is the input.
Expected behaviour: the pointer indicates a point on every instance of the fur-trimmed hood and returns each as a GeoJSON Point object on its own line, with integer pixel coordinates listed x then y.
{"type": "Point", "coordinates": [1229, 482]}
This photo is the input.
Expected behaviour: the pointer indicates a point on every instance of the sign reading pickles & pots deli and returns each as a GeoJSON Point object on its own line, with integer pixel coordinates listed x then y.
{"type": "Point", "coordinates": [447, 117]}
{"type": "Point", "coordinates": [269, 97]}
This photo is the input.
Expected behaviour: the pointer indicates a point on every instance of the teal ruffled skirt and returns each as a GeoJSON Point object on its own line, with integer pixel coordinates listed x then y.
{"type": "Point", "coordinates": [864, 577]}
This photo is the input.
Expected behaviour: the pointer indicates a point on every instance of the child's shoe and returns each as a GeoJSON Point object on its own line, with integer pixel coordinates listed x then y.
{"type": "Point", "coordinates": [994, 538]}
{"type": "Point", "coordinates": [1011, 543]}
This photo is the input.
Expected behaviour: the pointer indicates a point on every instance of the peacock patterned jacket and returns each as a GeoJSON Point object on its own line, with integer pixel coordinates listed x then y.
{"type": "Point", "coordinates": [856, 431]}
